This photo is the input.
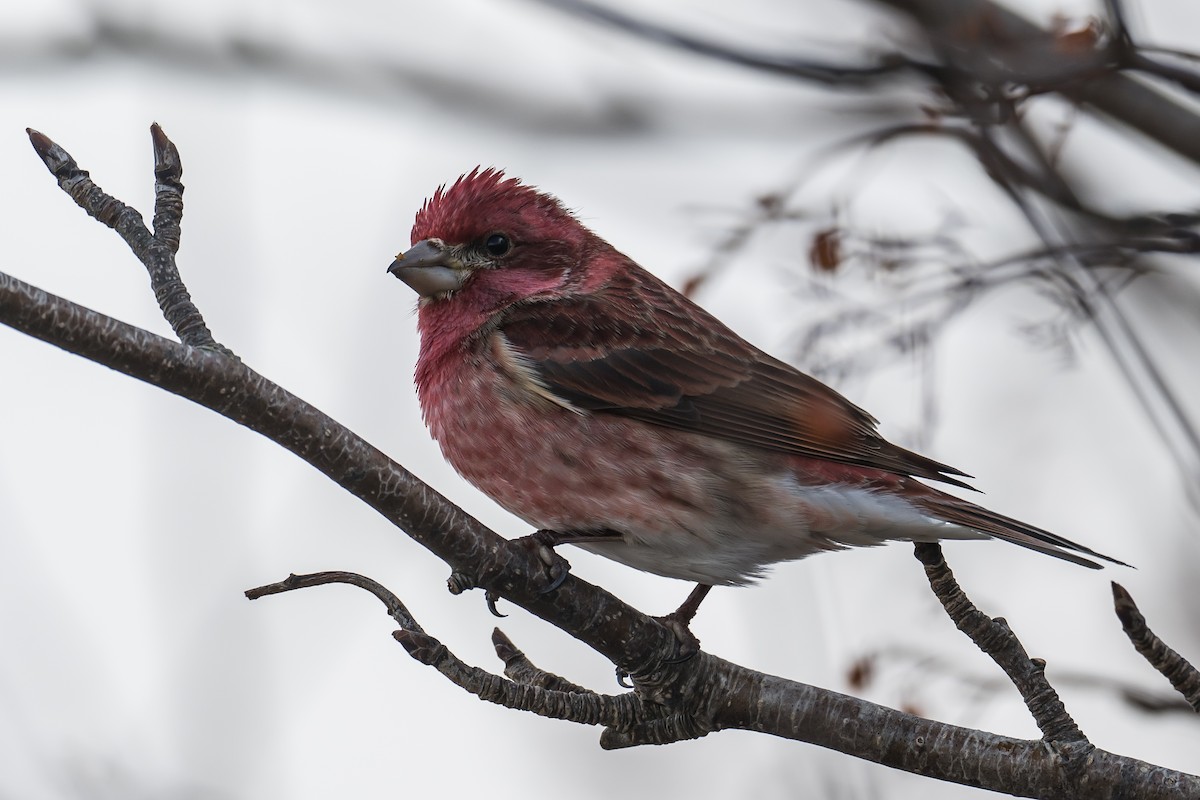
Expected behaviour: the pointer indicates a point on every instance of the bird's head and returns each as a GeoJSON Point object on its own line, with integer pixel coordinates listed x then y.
{"type": "Point", "coordinates": [488, 241]}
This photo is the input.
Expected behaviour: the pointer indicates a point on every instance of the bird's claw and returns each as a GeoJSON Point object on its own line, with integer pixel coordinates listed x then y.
{"type": "Point", "coordinates": [557, 577]}
{"type": "Point", "coordinates": [490, 598]}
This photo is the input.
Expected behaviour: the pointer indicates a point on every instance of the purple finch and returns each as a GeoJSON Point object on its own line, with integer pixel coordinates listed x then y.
{"type": "Point", "coordinates": [590, 399]}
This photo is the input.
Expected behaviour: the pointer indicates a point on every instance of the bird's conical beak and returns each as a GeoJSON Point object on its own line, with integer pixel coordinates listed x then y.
{"type": "Point", "coordinates": [429, 268]}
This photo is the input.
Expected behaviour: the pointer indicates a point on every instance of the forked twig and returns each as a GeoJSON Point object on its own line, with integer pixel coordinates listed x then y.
{"type": "Point", "coordinates": [155, 250]}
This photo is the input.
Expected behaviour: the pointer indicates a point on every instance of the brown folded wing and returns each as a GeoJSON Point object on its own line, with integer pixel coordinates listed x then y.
{"type": "Point", "coordinates": [638, 349]}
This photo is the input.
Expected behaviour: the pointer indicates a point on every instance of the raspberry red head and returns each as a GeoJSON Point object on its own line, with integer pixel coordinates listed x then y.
{"type": "Point", "coordinates": [482, 198]}
{"type": "Point", "coordinates": [507, 240]}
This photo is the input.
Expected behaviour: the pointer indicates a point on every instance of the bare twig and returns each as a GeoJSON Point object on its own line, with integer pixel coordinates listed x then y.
{"type": "Point", "coordinates": [1174, 667]}
{"type": "Point", "coordinates": [575, 704]}
{"type": "Point", "coordinates": [168, 189]}
{"type": "Point", "coordinates": [396, 609]}
{"type": "Point", "coordinates": [518, 667]}
{"type": "Point", "coordinates": [994, 637]}
{"type": "Point", "coordinates": [158, 255]}
{"type": "Point", "coordinates": [618, 713]}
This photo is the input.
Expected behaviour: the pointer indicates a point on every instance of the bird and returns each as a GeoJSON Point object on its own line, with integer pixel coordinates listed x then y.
{"type": "Point", "coordinates": [609, 411]}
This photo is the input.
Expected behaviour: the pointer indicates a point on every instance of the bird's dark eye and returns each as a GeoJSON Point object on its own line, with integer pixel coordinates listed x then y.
{"type": "Point", "coordinates": [497, 244]}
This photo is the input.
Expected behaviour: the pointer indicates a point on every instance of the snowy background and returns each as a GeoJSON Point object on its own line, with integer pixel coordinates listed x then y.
{"type": "Point", "coordinates": [131, 521]}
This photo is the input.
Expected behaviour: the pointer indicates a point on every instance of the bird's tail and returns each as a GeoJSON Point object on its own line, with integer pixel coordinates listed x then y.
{"type": "Point", "coordinates": [962, 512]}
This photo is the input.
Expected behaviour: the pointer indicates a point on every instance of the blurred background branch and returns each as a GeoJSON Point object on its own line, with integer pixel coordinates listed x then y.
{"type": "Point", "coordinates": [985, 65]}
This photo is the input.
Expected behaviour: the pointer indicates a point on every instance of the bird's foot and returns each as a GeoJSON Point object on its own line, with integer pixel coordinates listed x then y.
{"type": "Point", "coordinates": [542, 543]}
{"type": "Point", "coordinates": [679, 620]}
{"type": "Point", "coordinates": [686, 643]}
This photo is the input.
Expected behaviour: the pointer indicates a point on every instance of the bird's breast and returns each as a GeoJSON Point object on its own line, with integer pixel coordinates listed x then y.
{"type": "Point", "coordinates": [559, 468]}
{"type": "Point", "coordinates": [688, 506]}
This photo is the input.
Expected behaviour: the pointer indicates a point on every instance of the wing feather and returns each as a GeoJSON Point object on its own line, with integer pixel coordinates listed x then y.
{"type": "Point", "coordinates": [638, 349]}
{"type": "Point", "coordinates": [963, 512]}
